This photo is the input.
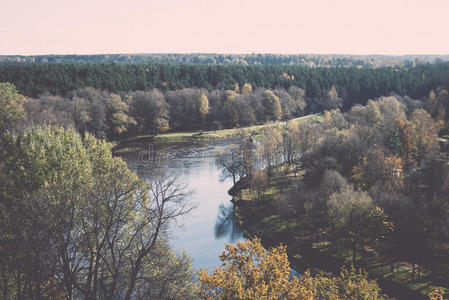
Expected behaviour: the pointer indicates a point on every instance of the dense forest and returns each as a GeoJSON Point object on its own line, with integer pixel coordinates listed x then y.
{"type": "Point", "coordinates": [354, 85]}
{"type": "Point", "coordinates": [311, 60]}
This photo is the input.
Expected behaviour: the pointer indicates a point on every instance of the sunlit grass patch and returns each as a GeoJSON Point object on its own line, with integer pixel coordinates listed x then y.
{"type": "Point", "coordinates": [226, 133]}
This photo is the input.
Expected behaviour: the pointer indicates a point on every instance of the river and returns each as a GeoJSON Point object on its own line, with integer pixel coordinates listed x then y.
{"type": "Point", "coordinates": [204, 232]}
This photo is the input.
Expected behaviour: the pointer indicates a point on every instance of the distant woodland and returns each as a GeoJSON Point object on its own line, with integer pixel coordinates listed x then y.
{"type": "Point", "coordinates": [354, 85]}
{"type": "Point", "coordinates": [119, 100]}
{"type": "Point", "coordinates": [310, 60]}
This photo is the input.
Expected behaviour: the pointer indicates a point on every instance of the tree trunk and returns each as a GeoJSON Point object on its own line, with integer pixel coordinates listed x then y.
{"type": "Point", "coordinates": [19, 287]}
{"type": "Point", "coordinates": [5, 286]}
{"type": "Point", "coordinates": [133, 277]}
{"type": "Point", "coordinates": [132, 280]}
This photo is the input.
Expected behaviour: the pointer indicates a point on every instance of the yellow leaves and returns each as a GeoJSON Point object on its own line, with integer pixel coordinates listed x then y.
{"type": "Point", "coordinates": [287, 76]}
{"type": "Point", "coordinates": [357, 177]}
{"type": "Point", "coordinates": [436, 294]}
{"type": "Point", "coordinates": [333, 93]}
{"type": "Point", "coordinates": [251, 272]}
{"type": "Point", "coordinates": [377, 166]}
{"type": "Point", "coordinates": [236, 87]}
{"type": "Point", "coordinates": [246, 89]}
{"type": "Point", "coordinates": [203, 105]}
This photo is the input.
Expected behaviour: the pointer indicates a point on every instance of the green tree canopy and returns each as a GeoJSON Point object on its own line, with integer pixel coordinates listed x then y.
{"type": "Point", "coordinates": [76, 220]}
{"type": "Point", "coordinates": [11, 106]}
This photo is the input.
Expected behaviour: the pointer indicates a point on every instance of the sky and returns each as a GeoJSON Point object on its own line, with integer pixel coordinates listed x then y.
{"type": "Point", "coordinates": [392, 27]}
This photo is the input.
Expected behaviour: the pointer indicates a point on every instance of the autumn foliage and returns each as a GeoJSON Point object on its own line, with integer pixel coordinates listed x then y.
{"type": "Point", "coordinates": [248, 271]}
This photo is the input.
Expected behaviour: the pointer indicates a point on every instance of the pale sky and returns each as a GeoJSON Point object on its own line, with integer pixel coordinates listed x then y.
{"type": "Point", "coordinates": [29, 27]}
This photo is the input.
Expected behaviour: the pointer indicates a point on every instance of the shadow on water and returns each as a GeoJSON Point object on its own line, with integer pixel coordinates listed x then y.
{"type": "Point", "coordinates": [226, 226]}
{"type": "Point", "coordinates": [226, 223]}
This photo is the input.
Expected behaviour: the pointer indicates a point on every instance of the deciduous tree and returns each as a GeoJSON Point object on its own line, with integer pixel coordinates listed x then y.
{"type": "Point", "coordinates": [355, 219]}
{"type": "Point", "coordinates": [12, 104]}
{"type": "Point", "coordinates": [98, 226]}
{"type": "Point", "coordinates": [273, 108]}
{"type": "Point", "coordinates": [248, 271]}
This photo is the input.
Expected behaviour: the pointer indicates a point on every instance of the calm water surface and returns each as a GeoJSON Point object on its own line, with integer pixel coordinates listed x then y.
{"type": "Point", "coordinates": [204, 232]}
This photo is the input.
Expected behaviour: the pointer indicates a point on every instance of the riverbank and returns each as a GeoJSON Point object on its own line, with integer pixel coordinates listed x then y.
{"type": "Point", "coordinates": [133, 144]}
{"type": "Point", "coordinates": [264, 213]}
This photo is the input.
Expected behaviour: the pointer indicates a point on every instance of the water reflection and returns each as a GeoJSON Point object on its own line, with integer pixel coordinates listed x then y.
{"type": "Point", "coordinates": [211, 225]}
{"type": "Point", "coordinates": [226, 223]}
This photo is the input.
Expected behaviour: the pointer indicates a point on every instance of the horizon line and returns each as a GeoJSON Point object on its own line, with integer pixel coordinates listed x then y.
{"type": "Point", "coordinates": [226, 53]}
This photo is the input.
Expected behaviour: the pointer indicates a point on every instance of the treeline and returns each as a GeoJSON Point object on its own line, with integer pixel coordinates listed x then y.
{"type": "Point", "coordinates": [311, 60]}
{"type": "Point", "coordinates": [112, 116]}
{"type": "Point", "coordinates": [354, 85]}
{"type": "Point", "coordinates": [115, 115]}
{"type": "Point", "coordinates": [374, 178]}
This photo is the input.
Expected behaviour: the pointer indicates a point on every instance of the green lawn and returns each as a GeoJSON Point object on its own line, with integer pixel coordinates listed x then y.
{"type": "Point", "coordinates": [174, 137]}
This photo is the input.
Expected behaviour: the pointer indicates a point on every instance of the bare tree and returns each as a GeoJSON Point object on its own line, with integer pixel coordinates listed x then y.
{"type": "Point", "coordinates": [168, 203]}
{"type": "Point", "coordinates": [230, 160]}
